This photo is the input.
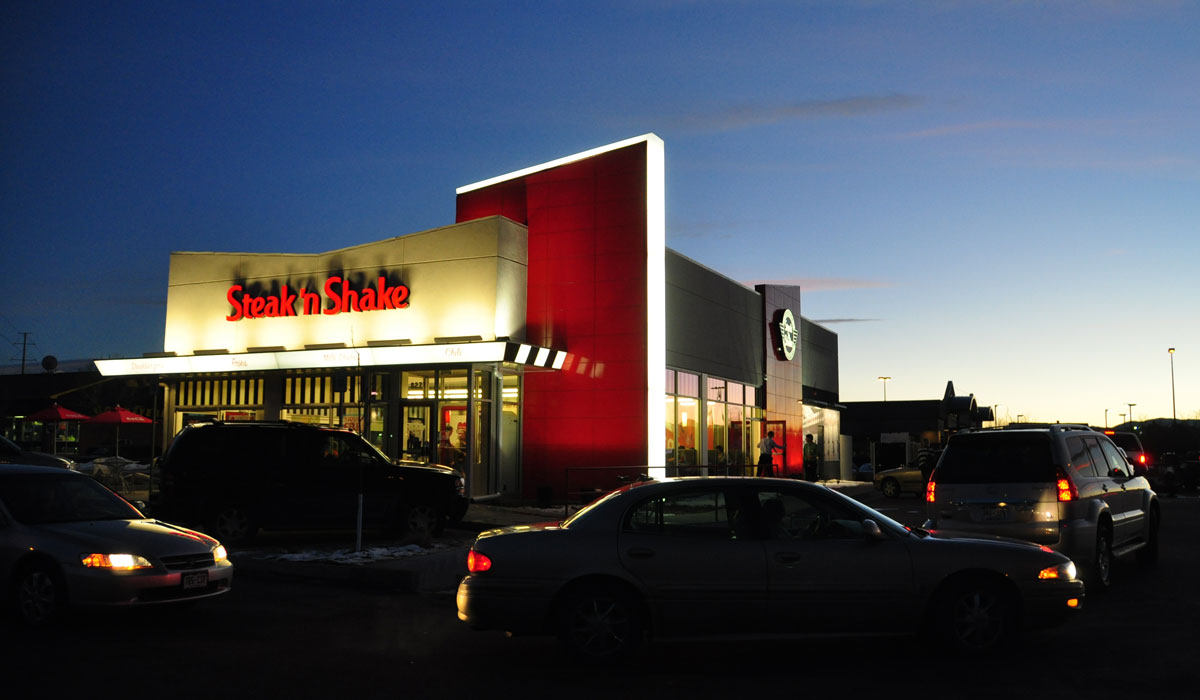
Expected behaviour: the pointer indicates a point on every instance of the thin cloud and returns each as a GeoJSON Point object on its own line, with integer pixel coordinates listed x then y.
{"type": "Point", "coordinates": [827, 321]}
{"type": "Point", "coordinates": [746, 116]}
{"type": "Point", "coordinates": [999, 125]}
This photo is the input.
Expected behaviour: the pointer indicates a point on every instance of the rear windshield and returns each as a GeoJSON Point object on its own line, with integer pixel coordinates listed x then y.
{"type": "Point", "coordinates": [989, 458]}
{"type": "Point", "coordinates": [1126, 441]}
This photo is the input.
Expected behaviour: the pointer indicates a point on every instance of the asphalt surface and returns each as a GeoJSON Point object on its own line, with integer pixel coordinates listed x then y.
{"type": "Point", "coordinates": [405, 567]}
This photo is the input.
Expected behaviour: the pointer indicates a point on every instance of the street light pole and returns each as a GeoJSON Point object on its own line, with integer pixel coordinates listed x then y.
{"type": "Point", "coordinates": [1106, 419]}
{"type": "Point", "coordinates": [885, 381]}
{"type": "Point", "coordinates": [1171, 352]}
{"type": "Point", "coordinates": [1131, 405]}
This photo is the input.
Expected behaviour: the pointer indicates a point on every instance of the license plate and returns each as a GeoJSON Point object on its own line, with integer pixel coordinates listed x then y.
{"type": "Point", "coordinates": [997, 514]}
{"type": "Point", "coordinates": [195, 579]}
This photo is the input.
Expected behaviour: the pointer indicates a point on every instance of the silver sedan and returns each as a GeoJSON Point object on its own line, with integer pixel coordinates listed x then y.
{"type": "Point", "coordinates": [744, 556]}
{"type": "Point", "coordinates": [66, 539]}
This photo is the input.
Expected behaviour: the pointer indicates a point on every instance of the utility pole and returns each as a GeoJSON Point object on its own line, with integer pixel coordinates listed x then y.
{"type": "Point", "coordinates": [24, 344]}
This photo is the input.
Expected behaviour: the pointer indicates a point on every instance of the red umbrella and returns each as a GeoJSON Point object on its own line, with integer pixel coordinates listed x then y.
{"type": "Point", "coordinates": [55, 414]}
{"type": "Point", "coordinates": [119, 416]}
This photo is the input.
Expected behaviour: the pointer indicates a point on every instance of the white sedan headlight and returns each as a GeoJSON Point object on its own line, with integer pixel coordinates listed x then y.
{"type": "Point", "coordinates": [1065, 572]}
{"type": "Point", "coordinates": [115, 562]}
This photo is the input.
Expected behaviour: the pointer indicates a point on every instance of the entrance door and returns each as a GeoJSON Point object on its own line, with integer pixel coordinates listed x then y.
{"type": "Point", "coordinates": [779, 427]}
{"type": "Point", "coordinates": [418, 426]}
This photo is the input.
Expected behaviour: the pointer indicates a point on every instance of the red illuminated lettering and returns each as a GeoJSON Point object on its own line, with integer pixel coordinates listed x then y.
{"type": "Point", "coordinates": [332, 295]}
{"type": "Point", "coordinates": [233, 301]}
{"type": "Point", "coordinates": [341, 296]}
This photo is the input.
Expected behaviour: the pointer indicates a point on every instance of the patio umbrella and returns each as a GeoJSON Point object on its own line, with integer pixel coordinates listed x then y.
{"type": "Point", "coordinates": [119, 416]}
{"type": "Point", "coordinates": [55, 414]}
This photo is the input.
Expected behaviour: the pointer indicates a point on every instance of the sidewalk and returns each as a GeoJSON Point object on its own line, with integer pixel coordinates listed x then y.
{"type": "Point", "coordinates": [408, 568]}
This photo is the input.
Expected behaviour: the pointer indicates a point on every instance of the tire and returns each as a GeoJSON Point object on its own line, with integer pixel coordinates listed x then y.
{"type": "Point", "coordinates": [975, 617]}
{"type": "Point", "coordinates": [1102, 563]}
{"type": "Point", "coordinates": [1148, 556]}
{"type": "Point", "coordinates": [39, 594]}
{"type": "Point", "coordinates": [233, 525]}
{"type": "Point", "coordinates": [600, 624]}
{"type": "Point", "coordinates": [890, 488]}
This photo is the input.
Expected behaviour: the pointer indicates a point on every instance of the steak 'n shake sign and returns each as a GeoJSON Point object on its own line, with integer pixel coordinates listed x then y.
{"type": "Point", "coordinates": [469, 278]}
{"type": "Point", "coordinates": [341, 296]}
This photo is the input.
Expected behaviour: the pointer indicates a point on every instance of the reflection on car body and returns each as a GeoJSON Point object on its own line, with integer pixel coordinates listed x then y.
{"type": "Point", "coordinates": [709, 556]}
{"type": "Point", "coordinates": [66, 539]}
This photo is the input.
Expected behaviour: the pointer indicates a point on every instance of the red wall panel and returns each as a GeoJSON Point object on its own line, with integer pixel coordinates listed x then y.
{"type": "Point", "coordinates": [586, 294]}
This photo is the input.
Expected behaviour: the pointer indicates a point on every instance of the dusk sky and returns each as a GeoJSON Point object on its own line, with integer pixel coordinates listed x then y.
{"type": "Point", "coordinates": [1005, 195]}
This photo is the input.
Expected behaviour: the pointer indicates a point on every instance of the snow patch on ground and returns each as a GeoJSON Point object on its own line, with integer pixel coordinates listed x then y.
{"type": "Point", "coordinates": [366, 555]}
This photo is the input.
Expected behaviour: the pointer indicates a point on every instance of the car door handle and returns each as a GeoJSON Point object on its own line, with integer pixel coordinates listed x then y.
{"type": "Point", "coordinates": [787, 557]}
{"type": "Point", "coordinates": [640, 553]}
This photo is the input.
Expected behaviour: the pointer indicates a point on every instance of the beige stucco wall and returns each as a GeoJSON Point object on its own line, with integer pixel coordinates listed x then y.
{"type": "Point", "coordinates": [466, 279]}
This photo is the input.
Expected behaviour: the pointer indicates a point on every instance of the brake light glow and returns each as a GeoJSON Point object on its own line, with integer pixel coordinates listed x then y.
{"type": "Point", "coordinates": [930, 490]}
{"type": "Point", "coordinates": [1142, 458]}
{"type": "Point", "coordinates": [1067, 491]}
{"type": "Point", "coordinates": [477, 562]}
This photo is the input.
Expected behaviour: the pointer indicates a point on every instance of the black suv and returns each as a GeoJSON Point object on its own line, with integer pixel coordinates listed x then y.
{"type": "Point", "coordinates": [233, 478]}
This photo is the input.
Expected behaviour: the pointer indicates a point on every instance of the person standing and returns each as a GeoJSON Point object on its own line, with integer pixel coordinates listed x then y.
{"type": "Point", "coordinates": [812, 459]}
{"type": "Point", "coordinates": [766, 453]}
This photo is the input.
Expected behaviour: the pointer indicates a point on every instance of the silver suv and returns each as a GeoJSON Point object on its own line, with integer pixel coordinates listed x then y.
{"type": "Point", "coordinates": [1064, 486]}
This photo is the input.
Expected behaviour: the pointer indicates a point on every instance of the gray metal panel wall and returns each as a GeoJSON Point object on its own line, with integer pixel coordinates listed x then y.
{"type": "Point", "coordinates": [819, 348]}
{"type": "Point", "coordinates": [714, 324]}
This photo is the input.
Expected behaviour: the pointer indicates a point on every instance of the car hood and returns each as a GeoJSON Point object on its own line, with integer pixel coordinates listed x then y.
{"type": "Point", "coordinates": [133, 536]}
{"type": "Point", "coordinates": [959, 536]}
{"type": "Point", "coordinates": [426, 466]}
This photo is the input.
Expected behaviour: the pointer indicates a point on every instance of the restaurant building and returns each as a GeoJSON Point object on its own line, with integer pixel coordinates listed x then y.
{"type": "Point", "coordinates": [545, 342]}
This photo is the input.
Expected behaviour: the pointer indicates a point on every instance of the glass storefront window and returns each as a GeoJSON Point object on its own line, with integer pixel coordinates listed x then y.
{"type": "Point", "coordinates": [736, 392]}
{"type": "Point", "coordinates": [687, 384]}
{"type": "Point", "coordinates": [738, 438]}
{"type": "Point", "coordinates": [715, 432]}
{"type": "Point", "coordinates": [670, 435]}
{"type": "Point", "coordinates": [715, 390]}
{"type": "Point", "coordinates": [685, 434]}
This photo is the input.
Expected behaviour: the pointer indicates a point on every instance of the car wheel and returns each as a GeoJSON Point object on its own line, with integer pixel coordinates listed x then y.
{"type": "Point", "coordinates": [976, 616]}
{"type": "Point", "coordinates": [233, 525]}
{"type": "Point", "coordinates": [1148, 556]}
{"type": "Point", "coordinates": [421, 521]}
{"type": "Point", "coordinates": [1102, 562]}
{"type": "Point", "coordinates": [39, 594]}
{"type": "Point", "coordinates": [890, 488]}
{"type": "Point", "coordinates": [600, 624]}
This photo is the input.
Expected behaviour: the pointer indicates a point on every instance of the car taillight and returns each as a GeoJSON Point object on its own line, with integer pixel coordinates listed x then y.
{"type": "Point", "coordinates": [930, 489]}
{"type": "Point", "coordinates": [477, 562]}
{"type": "Point", "coordinates": [1066, 488]}
{"type": "Point", "coordinates": [1142, 458]}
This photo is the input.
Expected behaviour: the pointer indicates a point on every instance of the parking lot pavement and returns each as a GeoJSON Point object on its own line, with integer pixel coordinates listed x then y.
{"type": "Point", "coordinates": [388, 564]}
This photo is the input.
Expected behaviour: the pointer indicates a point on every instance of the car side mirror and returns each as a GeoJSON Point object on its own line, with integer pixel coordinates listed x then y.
{"type": "Point", "coordinates": [871, 530]}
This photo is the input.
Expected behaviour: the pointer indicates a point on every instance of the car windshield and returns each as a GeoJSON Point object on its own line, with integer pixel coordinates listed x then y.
{"type": "Point", "coordinates": [37, 499]}
{"type": "Point", "coordinates": [997, 458]}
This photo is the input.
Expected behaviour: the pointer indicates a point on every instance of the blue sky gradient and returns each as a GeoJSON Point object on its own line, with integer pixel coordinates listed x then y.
{"type": "Point", "coordinates": [1001, 194]}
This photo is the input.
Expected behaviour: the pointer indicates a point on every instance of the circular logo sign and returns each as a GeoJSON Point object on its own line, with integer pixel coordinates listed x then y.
{"type": "Point", "coordinates": [789, 335]}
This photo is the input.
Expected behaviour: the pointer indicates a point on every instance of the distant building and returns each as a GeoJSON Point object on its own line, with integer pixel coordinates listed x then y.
{"type": "Point", "coordinates": [890, 434]}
